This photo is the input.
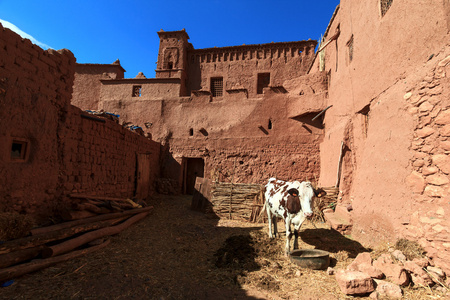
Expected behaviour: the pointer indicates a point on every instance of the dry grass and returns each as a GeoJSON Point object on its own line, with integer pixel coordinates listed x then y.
{"type": "Point", "coordinates": [410, 249]}
{"type": "Point", "coordinates": [14, 225]}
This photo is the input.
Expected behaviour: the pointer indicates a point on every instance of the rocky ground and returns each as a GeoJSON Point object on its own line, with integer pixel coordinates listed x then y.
{"type": "Point", "coordinates": [177, 253]}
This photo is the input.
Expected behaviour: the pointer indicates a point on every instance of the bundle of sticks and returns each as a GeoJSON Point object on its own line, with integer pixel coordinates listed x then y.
{"type": "Point", "coordinates": [67, 240]}
{"type": "Point", "coordinates": [234, 201]}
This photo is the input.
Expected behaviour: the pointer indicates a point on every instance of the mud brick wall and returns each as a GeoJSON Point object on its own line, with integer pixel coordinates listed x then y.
{"type": "Point", "coordinates": [35, 88]}
{"type": "Point", "coordinates": [99, 156]}
{"type": "Point", "coordinates": [47, 149]}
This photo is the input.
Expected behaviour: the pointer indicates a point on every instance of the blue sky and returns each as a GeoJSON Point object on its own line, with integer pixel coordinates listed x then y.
{"type": "Point", "coordinates": [101, 31]}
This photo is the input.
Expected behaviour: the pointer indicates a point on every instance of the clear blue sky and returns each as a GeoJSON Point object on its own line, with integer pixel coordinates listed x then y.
{"type": "Point", "coordinates": [101, 31]}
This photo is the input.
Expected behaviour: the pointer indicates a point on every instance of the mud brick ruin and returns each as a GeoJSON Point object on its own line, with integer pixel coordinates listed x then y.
{"type": "Point", "coordinates": [374, 96]}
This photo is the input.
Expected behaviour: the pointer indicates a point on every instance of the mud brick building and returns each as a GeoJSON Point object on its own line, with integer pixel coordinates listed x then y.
{"type": "Point", "coordinates": [374, 96]}
{"type": "Point", "coordinates": [240, 113]}
{"type": "Point", "coordinates": [50, 148]}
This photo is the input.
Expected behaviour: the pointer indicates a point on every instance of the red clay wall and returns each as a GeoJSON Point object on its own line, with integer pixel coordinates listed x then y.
{"type": "Point", "coordinates": [384, 150]}
{"type": "Point", "coordinates": [100, 157]}
{"type": "Point", "coordinates": [65, 152]}
{"type": "Point", "coordinates": [35, 89]}
{"type": "Point", "coordinates": [239, 66]}
{"type": "Point", "coordinates": [86, 86]}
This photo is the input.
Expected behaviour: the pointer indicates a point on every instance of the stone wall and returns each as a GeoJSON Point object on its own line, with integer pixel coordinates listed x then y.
{"type": "Point", "coordinates": [388, 173]}
{"type": "Point", "coordinates": [428, 103]}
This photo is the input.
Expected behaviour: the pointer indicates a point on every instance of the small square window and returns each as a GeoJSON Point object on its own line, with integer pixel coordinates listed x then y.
{"type": "Point", "coordinates": [137, 89]}
{"type": "Point", "coordinates": [19, 150]}
{"type": "Point", "coordinates": [263, 81]}
{"type": "Point", "coordinates": [217, 86]}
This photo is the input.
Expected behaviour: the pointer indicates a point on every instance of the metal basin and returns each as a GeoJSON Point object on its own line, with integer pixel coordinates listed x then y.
{"type": "Point", "coordinates": [310, 258]}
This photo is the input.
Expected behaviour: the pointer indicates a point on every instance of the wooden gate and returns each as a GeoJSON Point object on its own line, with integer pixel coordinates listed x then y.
{"type": "Point", "coordinates": [143, 176]}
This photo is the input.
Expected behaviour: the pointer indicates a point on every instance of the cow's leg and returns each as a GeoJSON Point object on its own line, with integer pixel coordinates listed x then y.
{"type": "Point", "coordinates": [269, 217]}
{"type": "Point", "coordinates": [295, 239]}
{"type": "Point", "coordinates": [296, 231]}
{"type": "Point", "coordinates": [288, 237]}
{"type": "Point", "coordinates": [275, 226]}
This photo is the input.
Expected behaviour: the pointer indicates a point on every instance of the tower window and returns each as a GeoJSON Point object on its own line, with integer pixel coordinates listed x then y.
{"type": "Point", "coordinates": [263, 81]}
{"type": "Point", "coordinates": [217, 86]}
{"type": "Point", "coordinates": [137, 89]}
{"type": "Point", "coordinates": [170, 65]}
{"type": "Point", "coordinates": [269, 125]}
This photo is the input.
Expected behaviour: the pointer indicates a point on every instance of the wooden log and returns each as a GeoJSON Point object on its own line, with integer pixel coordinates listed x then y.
{"type": "Point", "coordinates": [45, 237]}
{"type": "Point", "coordinates": [38, 264]}
{"type": "Point", "coordinates": [90, 236]}
{"type": "Point", "coordinates": [41, 230]}
{"type": "Point", "coordinates": [91, 208]}
{"type": "Point", "coordinates": [84, 196]}
{"type": "Point", "coordinates": [71, 215]}
{"type": "Point", "coordinates": [13, 258]}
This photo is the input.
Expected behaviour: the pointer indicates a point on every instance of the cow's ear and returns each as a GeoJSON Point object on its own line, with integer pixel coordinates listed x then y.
{"type": "Point", "coordinates": [320, 192]}
{"type": "Point", "coordinates": [293, 192]}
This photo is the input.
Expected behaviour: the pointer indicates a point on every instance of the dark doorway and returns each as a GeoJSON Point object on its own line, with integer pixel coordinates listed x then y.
{"type": "Point", "coordinates": [194, 167]}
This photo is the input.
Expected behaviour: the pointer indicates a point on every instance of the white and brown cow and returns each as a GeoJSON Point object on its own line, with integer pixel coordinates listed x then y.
{"type": "Point", "coordinates": [292, 201]}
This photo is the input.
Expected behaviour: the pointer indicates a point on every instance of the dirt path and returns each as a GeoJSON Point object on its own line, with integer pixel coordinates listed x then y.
{"type": "Point", "coordinates": [177, 253]}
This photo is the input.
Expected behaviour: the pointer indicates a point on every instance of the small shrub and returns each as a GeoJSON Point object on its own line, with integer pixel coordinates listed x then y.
{"type": "Point", "coordinates": [410, 249]}
{"type": "Point", "coordinates": [14, 225]}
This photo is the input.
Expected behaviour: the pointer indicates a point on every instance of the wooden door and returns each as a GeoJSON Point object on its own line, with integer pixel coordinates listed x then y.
{"type": "Point", "coordinates": [143, 176]}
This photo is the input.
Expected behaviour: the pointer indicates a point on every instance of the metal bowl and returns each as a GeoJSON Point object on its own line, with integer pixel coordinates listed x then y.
{"type": "Point", "coordinates": [310, 258]}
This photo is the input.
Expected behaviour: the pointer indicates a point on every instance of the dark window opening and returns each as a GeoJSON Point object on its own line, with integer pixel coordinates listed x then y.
{"type": "Point", "coordinates": [137, 89]}
{"type": "Point", "coordinates": [384, 6]}
{"type": "Point", "coordinates": [350, 48]}
{"type": "Point", "coordinates": [217, 87]}
{"type": "Point", "coordinates": [269, 125]}
{"type": "Point", "coordinates": [170, 65]}
{"type": "Point", "coordinates": [191, 132]}
{"type": "Point", "coordinates": [19, 150]}
{"type": "Point", "coordinates": [263, 81]}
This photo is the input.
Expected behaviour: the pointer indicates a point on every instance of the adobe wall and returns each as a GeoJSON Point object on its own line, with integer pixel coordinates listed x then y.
{"type": "Point", "coordinates": [99, 156]}
{"type": "Point", "coordinates": [35, 89]}
{"type": "Point", "coordinates": [232, 135]}
{"type": "Point", "coordinates": [240, 65]}
{"type": "Point", "coordinates": [67, 151]}
{"type": "Point", "coordinates": [381, 132]}
{"type": "Point", "coordinates": [86, 88]}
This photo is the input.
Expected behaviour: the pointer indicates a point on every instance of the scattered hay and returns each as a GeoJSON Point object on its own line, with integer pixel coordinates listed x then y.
{"type": "Point", "coordinates": [410, 249]}
{"type": "Point", "coordinates": [14, 225]}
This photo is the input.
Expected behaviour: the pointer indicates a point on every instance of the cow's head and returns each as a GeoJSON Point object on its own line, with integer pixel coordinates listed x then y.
{"type": "Point", "coordinates": [306, 194]}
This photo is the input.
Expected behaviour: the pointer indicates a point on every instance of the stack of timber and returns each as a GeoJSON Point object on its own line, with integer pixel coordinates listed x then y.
{"type": "Point", "coordinates": [236, 200]}
{"type": "Point", "coordinates": [327, 201]}
{"type": "Point", "coordinates": [46, 246]}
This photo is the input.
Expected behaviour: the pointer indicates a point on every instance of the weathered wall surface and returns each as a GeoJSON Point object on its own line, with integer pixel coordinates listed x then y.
{"type": "Point", "coordinates": [35, 88]}
{"type": "Point", "coordinates": [239, 66]}
{"type": "Point", "coordinates": [47, 148]}
{"type": "Point", "coordinates": [153, 88]}
{"type": "Point", "coordinates": [99, 156]}
{"type": "Point", "coordinates": [382, 170]}
{"type": "Point", "coordinates": [86, 86]}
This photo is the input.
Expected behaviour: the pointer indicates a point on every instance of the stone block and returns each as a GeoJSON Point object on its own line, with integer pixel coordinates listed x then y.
{"type": "Point", "coordinates": [437, 179]}
{"type": "Point", "coordinates": [425, 132]}
{"type": "Point", "coordinates": [388, 290]}
{"type": "Point", "coordinates": [361, 258]}
{"type": "Point", "coordinates": [443, 118]}
{"type": "Point", "coordinates": [416, 182]}
{"type": "Point", "coordinates": [354, 282]}
{"type": "Point", "coordinates": [418, 275]}
{"type": "Point", "coordinates": [445, 145]}
{"type": "Point", "coordinates": [394, 272]}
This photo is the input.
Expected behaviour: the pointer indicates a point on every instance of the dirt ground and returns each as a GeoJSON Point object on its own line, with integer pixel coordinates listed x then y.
{"type": "Point", "coordinates": [177, 253]}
